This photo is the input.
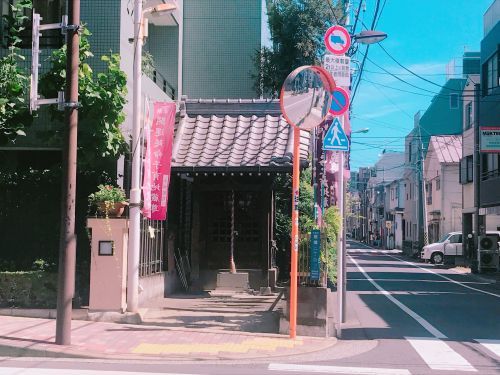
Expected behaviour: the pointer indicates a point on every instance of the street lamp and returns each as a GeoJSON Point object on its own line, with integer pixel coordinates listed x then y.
{"type": "Point", "coordinates": [363, 130]}
{"type": "Point", "coordinates": [369, 37]}
{"type": "Point", "coordinates": [135, 190]}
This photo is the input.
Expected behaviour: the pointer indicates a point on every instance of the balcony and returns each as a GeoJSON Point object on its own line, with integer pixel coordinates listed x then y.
{"type": "Point", "coordinates": [162, 83]}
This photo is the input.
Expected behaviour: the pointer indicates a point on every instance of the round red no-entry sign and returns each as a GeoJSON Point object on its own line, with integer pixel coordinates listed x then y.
{"type": "Point", "coordinates": [337, 40]}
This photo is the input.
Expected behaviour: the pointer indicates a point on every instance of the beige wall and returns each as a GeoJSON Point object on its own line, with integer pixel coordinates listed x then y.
{"type": "Point", "coordinates": [108, 273]}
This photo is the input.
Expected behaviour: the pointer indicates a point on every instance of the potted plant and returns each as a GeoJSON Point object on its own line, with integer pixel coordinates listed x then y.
{"type": "Point", "coordinates": [109, 200]}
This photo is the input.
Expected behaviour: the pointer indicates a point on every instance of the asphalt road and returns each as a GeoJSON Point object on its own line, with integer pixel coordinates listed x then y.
{"type": "Point", "coordinates": [404, 317]}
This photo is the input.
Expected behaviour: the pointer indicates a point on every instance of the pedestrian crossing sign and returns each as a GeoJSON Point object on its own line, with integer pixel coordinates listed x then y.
{"type": "Point", "coordinates": [335, 137]}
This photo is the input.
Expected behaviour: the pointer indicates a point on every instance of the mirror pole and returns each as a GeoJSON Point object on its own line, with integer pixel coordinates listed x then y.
{"type": "Point", "coordinates": [295, 231]}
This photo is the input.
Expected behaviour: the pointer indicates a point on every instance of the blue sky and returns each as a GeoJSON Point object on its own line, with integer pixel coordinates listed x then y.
{"type": "Point", "coordinates": [424, 36]}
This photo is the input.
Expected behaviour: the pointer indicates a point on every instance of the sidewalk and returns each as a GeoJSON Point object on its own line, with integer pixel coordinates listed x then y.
{"type": "Point", "coordinates": [35, 337]}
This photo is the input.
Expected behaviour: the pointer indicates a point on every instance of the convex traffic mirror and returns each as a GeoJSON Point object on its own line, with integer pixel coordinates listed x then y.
{"type": "Point", "coordinates": [306, 96]}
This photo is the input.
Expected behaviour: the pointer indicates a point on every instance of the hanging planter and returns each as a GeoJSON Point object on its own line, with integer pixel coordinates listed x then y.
{"type": "Point", "coordinates": [111, 209]}
{"type": "Point", "coordinates": [109, 201]}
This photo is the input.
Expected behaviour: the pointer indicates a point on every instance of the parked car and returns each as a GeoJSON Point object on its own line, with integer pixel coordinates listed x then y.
{"type": "Point", "coordinates": [450, 245]}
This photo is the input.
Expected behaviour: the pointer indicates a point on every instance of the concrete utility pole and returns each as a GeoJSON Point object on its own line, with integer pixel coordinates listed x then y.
{"type": "Point", "coordinates": [424, 195]}
{"type": "Point", "coordinates": [477, 176]}
{"type": "Point", "coordinates": [67, 244]}
{"type": "Point", "coordinates": [135, 191]}
{"type": "Point", "coordinates": [134, 242]}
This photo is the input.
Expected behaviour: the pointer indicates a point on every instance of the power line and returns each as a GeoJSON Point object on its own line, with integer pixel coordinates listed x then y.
{"type": "Point", "coordinates": [398, 78]}
{"type": "Point", "coordinates": [365, 55]}
{"type": "Point", "coordinates": [438, 95]}
{"type": "Point", "coordinates": [413, 73]}
{"type": "Point", "coordinates": [408, 74]}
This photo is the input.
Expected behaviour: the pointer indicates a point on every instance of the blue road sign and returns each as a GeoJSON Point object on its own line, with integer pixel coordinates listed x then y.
{"type": "Point", "coordinates": [340, 101]}
{"type": "Point", "coordinates": [314, 255]}
{"type": "Point", "coordinates": [335, 138]}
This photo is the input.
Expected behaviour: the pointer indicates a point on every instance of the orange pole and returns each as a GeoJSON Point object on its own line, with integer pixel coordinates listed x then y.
{"type": "Point", "coordinates": [295, 232]}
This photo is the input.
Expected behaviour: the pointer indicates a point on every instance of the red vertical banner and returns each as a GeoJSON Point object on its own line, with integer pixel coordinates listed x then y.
{"type": "Point", "coordinates": [158, 161]}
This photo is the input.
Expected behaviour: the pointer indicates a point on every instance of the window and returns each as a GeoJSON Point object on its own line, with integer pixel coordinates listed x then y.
{"type": "Point", "coordinates": [466, 172]}
{"type": "Point", "coordinates": [490, 74]}
{"type": "Point", "coordinates": [468, 116]}
{"type": "Point", "coordinates": [456, 238]}
{"type": "Point", "coordinates": [453, 101]}
{"type": "Point", "coordinates": [438, 183]}
{"type": "Point", "coordinates": [490, 166]}
{"type": "Point", "coordinates": [409, 152]}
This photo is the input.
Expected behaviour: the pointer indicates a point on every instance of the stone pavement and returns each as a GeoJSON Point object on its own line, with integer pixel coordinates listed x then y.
{"type": "Point", "coordinates": [228, 312]}
{"type": "Point", "coordinates": [35, 337]}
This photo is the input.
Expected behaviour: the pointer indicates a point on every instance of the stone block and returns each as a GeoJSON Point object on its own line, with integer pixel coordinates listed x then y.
{"type": "Point", "coordinates": [238, 282]}
{"type": "Point", "coordinates": [315, 317]}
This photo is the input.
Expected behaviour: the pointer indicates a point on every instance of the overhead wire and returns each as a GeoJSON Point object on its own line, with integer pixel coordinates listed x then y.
{"type": "Point", "coordinates": [365, 55]}
{"type": "Point", "coordinates": [412, 72]}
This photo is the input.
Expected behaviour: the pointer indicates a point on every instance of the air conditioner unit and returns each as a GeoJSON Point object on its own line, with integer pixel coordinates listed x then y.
{"type": "Point", "coordinates": [488, 243]}
{"type": "Point", "coordinates": [488, 255]}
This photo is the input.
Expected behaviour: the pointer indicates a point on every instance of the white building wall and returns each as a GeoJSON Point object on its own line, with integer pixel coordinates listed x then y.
{"type": "Point", "coordinates": [451, 199]}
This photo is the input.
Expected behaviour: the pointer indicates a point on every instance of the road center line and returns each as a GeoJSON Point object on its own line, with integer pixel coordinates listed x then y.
{"type": "Point", "coordinates": [424, 323]}
{"type": "Point", "coordinates": [336, 369]}
{"type": "Point", "coordinates": [444, 277]}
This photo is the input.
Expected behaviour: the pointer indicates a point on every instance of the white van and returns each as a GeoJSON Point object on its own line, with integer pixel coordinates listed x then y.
{"type": "Point", "coordinates": [449, 245]}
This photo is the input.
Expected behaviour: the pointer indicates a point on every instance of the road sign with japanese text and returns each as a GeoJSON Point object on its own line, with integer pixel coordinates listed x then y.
{"type": "Point", "coordinates": [339, 68]}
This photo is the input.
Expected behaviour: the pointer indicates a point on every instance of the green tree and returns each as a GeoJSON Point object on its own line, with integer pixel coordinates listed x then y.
{"type": "Point", "coordinates": [331, 220]}
{"type": "Point", "coordinates": [14, 81]}
{"type": "Point", "coordinates": [297, 30]}
{"type": "Point", "coordinates": [102, 98]}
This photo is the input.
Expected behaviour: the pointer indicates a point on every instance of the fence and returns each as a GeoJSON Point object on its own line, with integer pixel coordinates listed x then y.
{"type": "Point", "coordinates": [152, 258]}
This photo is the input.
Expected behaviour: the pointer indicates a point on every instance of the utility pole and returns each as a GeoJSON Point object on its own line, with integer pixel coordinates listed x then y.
{"type": "Point", "coordinates": [477, 176]}
{"type": "Point", "coordinates": [135, 191]}
{"type": "Point", "coordinates": [422, 181]}
{"type": "Point", "coordinates": [67, 244]}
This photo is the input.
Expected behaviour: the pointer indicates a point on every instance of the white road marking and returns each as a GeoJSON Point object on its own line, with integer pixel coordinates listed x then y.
{"type": "Point", "coordinates": [438, 355]}
{"type": "Point", "coordinates": [424, 323]}
{"type": "Point", "coordinates": [445, 277]}
{"type": "Point", "coordinates": [371, 251]}
{"type": "Point", "coordinates": [48, 371]}
{"type": "Point", "coordinates": [491, 345]}
{"type": "Point", "coordinates": [336, 369]}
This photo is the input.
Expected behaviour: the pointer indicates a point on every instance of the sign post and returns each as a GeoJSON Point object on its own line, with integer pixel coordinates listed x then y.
{"type": "Point", "coordinates": [312, 87]}
{"type": "Point", "coordinates": [314, 255]}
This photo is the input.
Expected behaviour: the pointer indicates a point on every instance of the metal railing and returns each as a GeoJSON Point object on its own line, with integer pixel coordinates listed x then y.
{"type": "Point", "coordinates": [152, 247]}
{"type": "Point", "coordinates": [162, 83]}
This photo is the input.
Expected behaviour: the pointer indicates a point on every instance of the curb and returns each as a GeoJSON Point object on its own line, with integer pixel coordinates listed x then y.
{"type": "Point", "coordinates": [77, 314]}
{"type": "Point", "coordinates": [196, 357]}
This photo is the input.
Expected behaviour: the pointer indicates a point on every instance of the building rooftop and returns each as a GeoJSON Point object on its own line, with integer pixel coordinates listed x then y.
{"type": "Point", "coordinates": [238, 135]}
{"type": "Point", "coordinates": [448, 148]}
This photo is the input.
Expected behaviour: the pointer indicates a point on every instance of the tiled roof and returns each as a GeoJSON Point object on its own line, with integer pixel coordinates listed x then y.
{"type": "Point", "coordinates": [218, 134]}
{"type": "Point", "coordinates": [448, 148]}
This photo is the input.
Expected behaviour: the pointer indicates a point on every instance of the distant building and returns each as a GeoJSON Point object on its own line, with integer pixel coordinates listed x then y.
{"type": "Point", "coordinates": [387, 169]}
{"type": "Point", "coordinates": [443, 117]}
{"type": "Point", "coordinates": [443, 192]}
